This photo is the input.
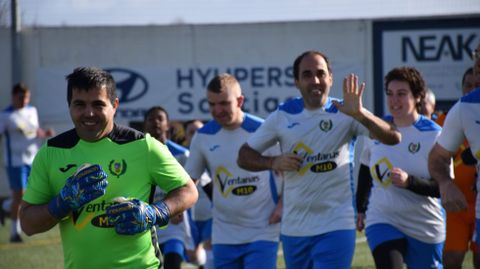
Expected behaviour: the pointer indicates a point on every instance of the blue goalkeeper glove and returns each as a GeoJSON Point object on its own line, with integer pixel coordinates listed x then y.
{"type": "Point", "coordinates": [87, 184]}
{"type": "Point", "coordinates": [134, 216]}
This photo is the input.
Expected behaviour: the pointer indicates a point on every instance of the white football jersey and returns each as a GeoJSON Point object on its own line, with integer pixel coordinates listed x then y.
{"type": "Point", "coordinates": [242, 200]}
{"type": "Point", "coordinates": [418, 216]}
{"type": "Point", "coordinates": [463, 121]}
{"type": "Point", "coordinates": [180, 231]}
{"type": "Point", "coordinates": [319, 197]}
{"type": "Point", "coordinates": [19, 129]}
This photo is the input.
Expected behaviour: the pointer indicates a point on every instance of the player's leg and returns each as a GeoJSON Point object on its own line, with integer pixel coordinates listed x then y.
{"type": "Point", "coordinates": [423, 255]}
{"type": "Point", "coordinates": [18, 182]}
{"type": "Point", "coordinates": [228, 256]}
{"type": "Point", "coordinates": [456, 243]}
{"type": "Point", "coordinates": [334, 250]}
{"type": "Point", "coordinates": [261, 255]}
{"type": "Point", "coordinates": [173, 253]}
{"type": "Point", "coordinates": [297, 251]}
{"type": "Point", "coordinates": [388, 245]}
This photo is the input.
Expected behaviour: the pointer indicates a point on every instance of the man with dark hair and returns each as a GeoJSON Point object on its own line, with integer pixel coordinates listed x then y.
{"type": "Point", "coordinates": [97, 180]}
{"type": "Point", "coordinates": [316, 134]}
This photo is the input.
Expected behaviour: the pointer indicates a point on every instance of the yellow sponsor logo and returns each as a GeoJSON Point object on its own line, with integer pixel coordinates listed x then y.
{"type": "Point", "coordinates": [303, 150]}
{"type": "Point", "coordinates": [323, 167]}
{"type": "Point", "coordinates": [381, 172]}
{"type": "Point", "coordinates": [244, 190]}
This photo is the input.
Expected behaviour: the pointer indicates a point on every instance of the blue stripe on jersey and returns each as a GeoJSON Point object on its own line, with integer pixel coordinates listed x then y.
{"type": "Point", "coordinates": [251, 123]}
{"type": "Point", "coordinates": [211, 127]}
{"type": "Point", "coordinates": [292, 106]}
{"type": "Point", "coordinates": [351, 157]}
{"type": "Point", "coordinates": [388, 118]}
{"type": "Point", "coordinates": [8, 145]}
{"type": "Point", "coordinates": [296, 105]}
{"type": "Point", "coordinates": [273, 188]}
{"type": "Point", "coordinates": [9, 109]}
{"type": "Point", "coordinates": [424, 124]}
{"type": "Point", "coordinates": [472, 97]}
{"type": "Point", "coordinates": [175, 148]}
{"type": "Point", "coordinates": [330, 107]}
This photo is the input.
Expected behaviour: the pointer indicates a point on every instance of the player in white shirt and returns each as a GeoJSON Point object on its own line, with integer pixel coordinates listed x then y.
{"type": "Point", "coordinates": [176, 238]}
{"type": "Point", "coordinates": [316, 134]}
{"type": "Point", "coordinates": [21, 132]}
{"type": "Point", "coordinates": [404, 220]}
{"type": "Point", "coordinates": [201, 212]}
{"type": "Point", "coordinates": [243, 201]}
{"type": "Point", "coordinates": [462, 121]}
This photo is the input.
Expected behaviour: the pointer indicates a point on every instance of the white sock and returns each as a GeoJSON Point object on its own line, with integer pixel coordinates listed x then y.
{"type": "Point", "coordinates": [15, 229]}
{"type": "Point", "coordinates": [209, 261]}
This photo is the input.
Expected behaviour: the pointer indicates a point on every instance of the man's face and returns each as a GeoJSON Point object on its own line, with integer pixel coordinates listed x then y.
{"type": "Point", "coordinates": [20, 100]}
{"type": "Point", "coordinates": [156, 124]}
{"type": "Point", "coordinates": [225, 107]}
{"type": "Point", "coordinates": [314, 81]}
{"type": "Point", "coordinates": [92, 113]}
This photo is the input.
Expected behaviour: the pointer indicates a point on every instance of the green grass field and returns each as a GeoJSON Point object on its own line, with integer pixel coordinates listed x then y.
{"type": "Point", "coordinates": [44, 251]}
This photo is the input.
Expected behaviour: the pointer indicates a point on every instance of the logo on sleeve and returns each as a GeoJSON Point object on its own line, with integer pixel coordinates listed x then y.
{"type": "Point", "coordinates": [117, 167]}
{"type": "Point", "coordinates": [381, 172]}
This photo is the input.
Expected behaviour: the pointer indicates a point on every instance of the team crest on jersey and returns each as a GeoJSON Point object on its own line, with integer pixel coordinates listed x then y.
{"type": "Point", "coordinates": [326, 125]}
{"type": "Point", "coordinates": [414, 148]}
{"type": "Point", "coordinates": [117, 168]}
{"type": "Point", "coordinates": [381, 172]}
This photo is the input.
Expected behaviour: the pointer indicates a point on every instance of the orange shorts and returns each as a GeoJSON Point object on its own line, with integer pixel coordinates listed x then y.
{"type": "Point", "coordinates": [460, 228]}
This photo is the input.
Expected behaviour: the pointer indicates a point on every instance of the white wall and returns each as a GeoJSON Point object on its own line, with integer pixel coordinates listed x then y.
{"type": "Point", "coordinates": [157, 52]}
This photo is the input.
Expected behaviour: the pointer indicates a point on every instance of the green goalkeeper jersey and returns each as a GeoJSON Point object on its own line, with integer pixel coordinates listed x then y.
{"type": "Point", "coordinates": [135, 163]}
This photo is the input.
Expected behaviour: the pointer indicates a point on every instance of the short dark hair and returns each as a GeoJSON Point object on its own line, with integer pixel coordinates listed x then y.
{"type": "Point", "coordinates": [155, 108]}
{"type": "Point", "coordinates": [87, 78]}
{"type": "Point", "coordinates": [414, 79]}
{"type": "Point", "coordinates": [20, 88]}
{"type": "Point", "coordinates": [469, 71]}
{"type": "Point", "coordinates": [298, 60]}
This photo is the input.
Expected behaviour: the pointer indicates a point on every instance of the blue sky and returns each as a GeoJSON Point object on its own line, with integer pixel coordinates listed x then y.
{"type": "Point", "coordinates": [165, 12]}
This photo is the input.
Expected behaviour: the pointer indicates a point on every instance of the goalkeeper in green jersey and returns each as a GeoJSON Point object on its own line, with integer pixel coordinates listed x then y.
{"type": "Point", "coordinates": [97, 180]}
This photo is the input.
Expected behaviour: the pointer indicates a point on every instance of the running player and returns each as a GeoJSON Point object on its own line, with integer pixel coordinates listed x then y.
{"type": "Point", "coordinates": [243, 201]}
{"type": "Point", "coordinates": [404, 219]}
{"type": "Point", "coordinates": [316, 134]}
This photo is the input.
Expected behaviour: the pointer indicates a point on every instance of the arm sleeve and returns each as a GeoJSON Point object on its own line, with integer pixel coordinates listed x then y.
{"type": "Point", "coordinates": [452, 136]}
{"type": "Point", "coordinates": [196, 163]}
{"type": "Point", "coordinates": [266, 135]}
{"type": "Point", "coordinates": [165, 170]}
{"type": "Point", "coordinates": [423, 187]}
{"type": "Point", "coordinates": [363, 189]}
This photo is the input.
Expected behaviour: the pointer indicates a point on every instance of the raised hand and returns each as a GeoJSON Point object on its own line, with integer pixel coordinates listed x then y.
{"type": "Point", "coordinates": [352, 96]}
{"type": "Point", "coordinates": [134, 216]}
{"type": "Point", "coordinates": [87, 184]}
